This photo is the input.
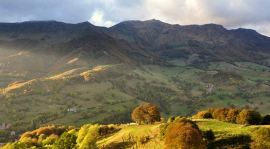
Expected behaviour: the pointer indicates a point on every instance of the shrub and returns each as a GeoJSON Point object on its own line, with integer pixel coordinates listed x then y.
{"type": "Point", "coordinates": [47, 131]}
{"type": "Point", "coordinates": [16, 145]}
{"type": "Point", "coordinates": [266, 120]}
{"type": "Point", "coordinates": [247, 116]}
{"type": "Point", "coordinates": [203, 115]}
{"type": "Point", "coordinates": [66, 141]}
{"type": "Point", "coordinates": [209, 135]}
{"type": "Point", "coordinates": [183, 134]}
{"type": "Point", "coordinates": [261, 138]}
{"type": "Point", "coordinates": [106, 130]}
{"type": "Point", "coordinates": [87, 136]}
{"type": "Point", "coordinates": [146, 113]}
{"type": "Point", "coordinates": [49, 140]}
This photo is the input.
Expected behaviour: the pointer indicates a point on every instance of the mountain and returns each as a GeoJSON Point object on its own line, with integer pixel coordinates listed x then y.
{"type": "Point", "coordinates": [57, 37]}
{"type": "Point", "coordinates": [210, 42]}
{"type": "Point", "coordinates": [57, 73]}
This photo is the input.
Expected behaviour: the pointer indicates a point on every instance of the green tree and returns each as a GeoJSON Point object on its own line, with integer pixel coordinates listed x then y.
{"type": "Point", "coordinates": [66, 141]}
{"type": "Point", "coordinates": [87, 136]}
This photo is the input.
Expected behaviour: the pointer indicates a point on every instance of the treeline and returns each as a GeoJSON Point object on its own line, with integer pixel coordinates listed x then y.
{"type": "Point", "coordinates": [63, 137]}
{"type": "Point", "coordinates": [234, 115]}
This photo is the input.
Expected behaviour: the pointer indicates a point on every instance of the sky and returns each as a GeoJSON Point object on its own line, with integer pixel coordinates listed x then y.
{"type": "Point", "coordinates": [254, 14]}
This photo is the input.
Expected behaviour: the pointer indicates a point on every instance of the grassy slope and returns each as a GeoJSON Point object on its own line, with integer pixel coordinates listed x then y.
{"type": "Point", "coordinates": [136, 132]}
{"type": "Point", "coordinates": [178, 90]}
{"type": "Point", "coordinates": [220, 129]}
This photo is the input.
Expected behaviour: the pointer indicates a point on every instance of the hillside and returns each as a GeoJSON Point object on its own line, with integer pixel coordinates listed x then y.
{"type": "Point", "coordinates": [139, 136]}
{"type": "Point", "coordinates": [58, 73]}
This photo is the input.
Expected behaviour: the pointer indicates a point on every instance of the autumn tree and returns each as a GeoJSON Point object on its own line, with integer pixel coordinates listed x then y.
{"type": "Point", "coordinates": [232, 115]}
{"type": "Point", "coordinates": [183, 134]}
{"type": "Point", "coordinates": [247, 116]}
{"type": "Point", "coordinates": [146, 113]}
{"type": "Point", "coordinates": [220, 114]}
{"type": "Point", "coordinates": [203, 115]}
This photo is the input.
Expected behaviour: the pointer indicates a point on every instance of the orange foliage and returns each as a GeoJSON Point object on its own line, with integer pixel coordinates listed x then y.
{"type": "Point", "coordinates": [146, 113]}
{"type": "Point", "coordinates": [183, 134]}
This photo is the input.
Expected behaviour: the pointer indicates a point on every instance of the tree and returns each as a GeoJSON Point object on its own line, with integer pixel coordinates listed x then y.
{"type": "Point", "coordinates": [66, 141]}
{"type": "Point", "coordinates": [146, 113]}
{"type": "Point", "coordinates": [183, 134]}
{"type": "Point", "coordinates": [232, 115]}
{"type": "Point", "coordinates": [247, 116]}
{"type": "Point", "coordinates": [220, 114]}
{"type": "Point", "coordinates": [87, 136]}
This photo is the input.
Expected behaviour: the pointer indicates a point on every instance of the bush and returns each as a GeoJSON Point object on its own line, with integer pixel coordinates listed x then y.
{"type": "Point", "coordinates": [106, 130]}
{"type": "Point", "coordinates": [16, 145]}
{"type": "Point", "coordinates": [183, 134]}
{"type": "Point", "coordinates": [203, 115]}
{"type": "Point", "coordinates": [249, 117]}
{"type": "Point", "coordinates": [266, 120]}
{"type": "Point", "coordinates": [87, 136]}
{"type": "Point", "coordinates": [261, 138]}
{"type": "Point", "coordinates": [49, 140]}
{"type": "Point", "coordinates": [146, 113]}
{"type": "Point", "coordinates": [66, 141]}
{"type": "Point", "coordinates": [209, 135]}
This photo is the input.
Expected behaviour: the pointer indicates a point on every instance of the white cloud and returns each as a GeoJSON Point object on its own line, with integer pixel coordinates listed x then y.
{"type": "Point", "coordinates": [98, 19]}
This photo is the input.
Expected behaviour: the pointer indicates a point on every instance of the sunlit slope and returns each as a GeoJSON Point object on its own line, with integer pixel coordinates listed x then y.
{"type": "Point", "coordinates": [77, 94]}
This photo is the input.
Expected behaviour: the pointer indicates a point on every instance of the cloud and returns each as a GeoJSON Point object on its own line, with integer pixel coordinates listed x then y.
{"type": "Point", "coordinates": [230, 13]}
{"type": "Point", "coordinates": [227, 12]}
{"type": "Point", "coordinates": [62, 10]}
{"type": "Point", "coordinates": [97, 19]}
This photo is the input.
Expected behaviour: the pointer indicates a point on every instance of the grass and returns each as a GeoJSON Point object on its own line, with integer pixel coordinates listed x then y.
{"type": "Point", "coordinates": [136, 132]}
{"type": "Point", "coordinates": [221, 130]}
